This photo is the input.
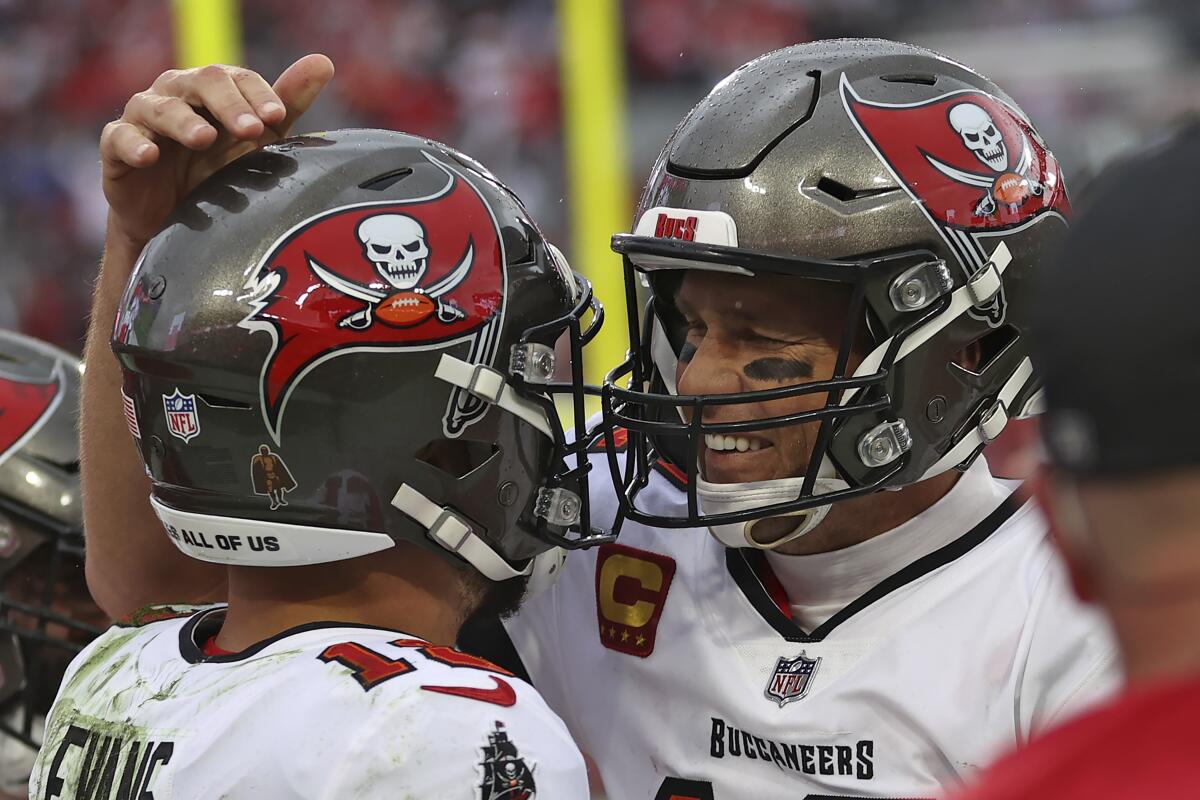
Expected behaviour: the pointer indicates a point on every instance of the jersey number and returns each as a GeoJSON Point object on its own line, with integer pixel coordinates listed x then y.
{"type": "Point", "coordinates": [368, 667]}
{"type": "Point", "coordinates": [371, 669]}
{"type": "Point", "coordinates": [683, 789]}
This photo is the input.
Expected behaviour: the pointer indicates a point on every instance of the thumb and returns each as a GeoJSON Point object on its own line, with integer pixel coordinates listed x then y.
{"type": "Point", "coordinates": [299, 86]}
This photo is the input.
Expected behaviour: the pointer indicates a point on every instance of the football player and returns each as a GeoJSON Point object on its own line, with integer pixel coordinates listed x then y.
{"type": "Point", "coordinates": [46, 615]}
{"type": "Point", "coordinates": [837, 243]}
{"type": "Point", "coordinates": [335, 363]}
{"type": "Point", "coordinates": [819, 590]}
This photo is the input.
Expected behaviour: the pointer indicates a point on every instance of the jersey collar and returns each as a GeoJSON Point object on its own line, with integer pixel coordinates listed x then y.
{"type": "Point", "coordinates": [755, 579]}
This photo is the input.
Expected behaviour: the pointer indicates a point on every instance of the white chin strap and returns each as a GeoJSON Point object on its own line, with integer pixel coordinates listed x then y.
{"type": "Point", "coordinates": [450, 530]}
{"type": "Point", "coordinates": [456, 535]}
{"type": "Point", "coordinates": [726, 498]}
{"type": "Point", "coordinates": [489, 385]}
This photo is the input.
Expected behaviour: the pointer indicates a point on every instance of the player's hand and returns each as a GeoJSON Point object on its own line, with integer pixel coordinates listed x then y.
{"type": "Point", "coordinates": [189, 124]}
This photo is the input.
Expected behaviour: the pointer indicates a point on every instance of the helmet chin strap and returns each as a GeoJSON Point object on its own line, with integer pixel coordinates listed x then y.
{"type": "Point", "coordinates": [727, 498]}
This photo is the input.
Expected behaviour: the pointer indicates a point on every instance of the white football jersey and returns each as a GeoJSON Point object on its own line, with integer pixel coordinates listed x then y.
{"type": "Point", "coordinates": [329, 710]}
{"type": "Point", "coordinates": [677, 666]}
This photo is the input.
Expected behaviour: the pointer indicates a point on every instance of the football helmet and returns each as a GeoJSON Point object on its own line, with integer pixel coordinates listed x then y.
{"type": "Point", "coordinates": [347, 340]}
{"type": "Point", "coordinates": [46, 614]}
{"type": "Point", "coordinates": [907, 178]}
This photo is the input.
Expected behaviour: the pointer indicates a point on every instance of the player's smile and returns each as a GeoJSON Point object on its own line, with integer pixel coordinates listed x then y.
{"type": "Point", "coordinates": [747, 334]}
{"type": "Point", "coordinates": [736, 459]}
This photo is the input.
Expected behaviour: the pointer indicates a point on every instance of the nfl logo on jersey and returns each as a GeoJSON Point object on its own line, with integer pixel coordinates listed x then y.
{"type": "Point", "coordinates": [182, 420]}
{"type": "Point", "coordinates": [791, 678]}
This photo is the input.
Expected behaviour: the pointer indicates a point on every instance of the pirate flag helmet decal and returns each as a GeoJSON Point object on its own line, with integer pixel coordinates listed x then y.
{"type": "Point", "coordinates": [918, 191]}
{"type": "Point", "coordinates": [369, 304]}
{"type": "Point", "coordinates": [417, 273]}
{"type": "Point", "coordinates": [970, 161]}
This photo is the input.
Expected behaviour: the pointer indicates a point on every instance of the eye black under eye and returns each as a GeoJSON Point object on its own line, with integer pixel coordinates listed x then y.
{"type": "Point", "coordinates": [777, 369]}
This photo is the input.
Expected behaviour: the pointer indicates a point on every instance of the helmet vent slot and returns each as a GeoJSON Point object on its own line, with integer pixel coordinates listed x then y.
{"type": "Point", "coordinates": [456, 457]}
{"type": "Point", "coordinates": [977, 357]}
{"type": "Point", "coordinates": [840, 191]}
{"type": "Point", "coordinates": [386, 180]}
{"type": "Point", "coordinates": [212, 401]}
{"type": "Point", "coordinates": [920, 79]}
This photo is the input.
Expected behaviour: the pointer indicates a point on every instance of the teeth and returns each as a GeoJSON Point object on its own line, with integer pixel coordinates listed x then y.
{"type": "Point", "coordinates": [727, 443]}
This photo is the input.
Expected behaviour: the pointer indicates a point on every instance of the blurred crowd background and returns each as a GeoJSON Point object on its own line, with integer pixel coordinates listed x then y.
{"type": "Point", "coordinates": [1096, 76]}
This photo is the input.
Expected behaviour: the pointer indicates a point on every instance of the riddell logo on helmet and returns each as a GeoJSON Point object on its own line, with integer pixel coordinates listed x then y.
{"type": "Point", "coordinates": [398, 275]}
{"type": "Point", "coordinates": [674, 228]}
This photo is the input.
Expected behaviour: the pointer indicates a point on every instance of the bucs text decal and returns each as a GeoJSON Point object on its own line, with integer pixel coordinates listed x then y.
{"type": "Point", "coordinates": [415, 274]}
{"type": "Point", "coordinates": [25, 405]}
{"type": "Point", "coordinates": [971, 162]}
{"type": "Point", "coordinates": [631, 589]}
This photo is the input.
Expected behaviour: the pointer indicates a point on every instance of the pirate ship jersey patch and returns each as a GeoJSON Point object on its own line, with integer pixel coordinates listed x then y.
{"type": "Point", "coordinates": [415, 274]}
{"type": "Point", "coordinates": [506, 776]}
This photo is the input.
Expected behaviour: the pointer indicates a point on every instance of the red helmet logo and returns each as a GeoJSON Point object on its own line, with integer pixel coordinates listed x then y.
{"type": "Point", "coordinates": [971, 162]}
{"type": "Point", "coordinates": [25, 405]}
{"type": "Point", "coordinates": [396, 275]}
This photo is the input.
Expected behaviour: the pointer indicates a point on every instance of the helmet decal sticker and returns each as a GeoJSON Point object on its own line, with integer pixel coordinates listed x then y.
{"type": "Point", "coordinates": [270, 476]}
{"type": "Point", "coordinates": [25, 405]}
{"type": "Point", "coordinates": [183, 421]}
{"type": "Point", "coordinates": [972, 163]}
{"type": "Point", "coordinates": [130, 412]}
{"type": "Point", "coordinates": [417, 274]}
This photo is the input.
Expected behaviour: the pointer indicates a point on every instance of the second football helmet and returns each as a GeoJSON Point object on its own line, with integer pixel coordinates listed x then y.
{"type": "Point", "coordinates": [46, 614]}
{"type": "Point", "coordinates": [903, 176]}
{"type": "Point", "coordinates": [343, 341]}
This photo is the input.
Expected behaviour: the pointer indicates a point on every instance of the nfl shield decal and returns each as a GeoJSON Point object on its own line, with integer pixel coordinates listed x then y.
{"type": "Point", "coordinates": [182, 420]}
{"type": "Point", "coordinates": [791, 678]}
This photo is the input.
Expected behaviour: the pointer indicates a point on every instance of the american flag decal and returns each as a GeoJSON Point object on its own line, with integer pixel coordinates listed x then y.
{"type": "Point", "coordinates": [130, 415]}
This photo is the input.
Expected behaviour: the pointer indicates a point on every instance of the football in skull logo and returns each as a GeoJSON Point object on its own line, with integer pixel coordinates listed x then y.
{"type": "Point", "coordinates": [969, 159]}
{"type": "Point", "coordinates": [382, 276]}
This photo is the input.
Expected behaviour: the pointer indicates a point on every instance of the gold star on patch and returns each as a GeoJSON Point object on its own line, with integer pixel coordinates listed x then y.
{"type": "Point", "coordinates": [624, 636]}
{"type": "Point", "coordinates": [641, 640]}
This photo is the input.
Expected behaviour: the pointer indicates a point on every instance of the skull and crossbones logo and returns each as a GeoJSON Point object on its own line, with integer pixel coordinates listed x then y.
{"type": "Point", "coordinates": [981, 135]}
{"type": "Point", "coordinates": [398, 247]}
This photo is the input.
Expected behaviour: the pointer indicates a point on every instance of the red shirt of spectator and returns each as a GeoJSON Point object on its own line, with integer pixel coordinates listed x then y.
{"type": "Point", "coordinates": [1144, 744]}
